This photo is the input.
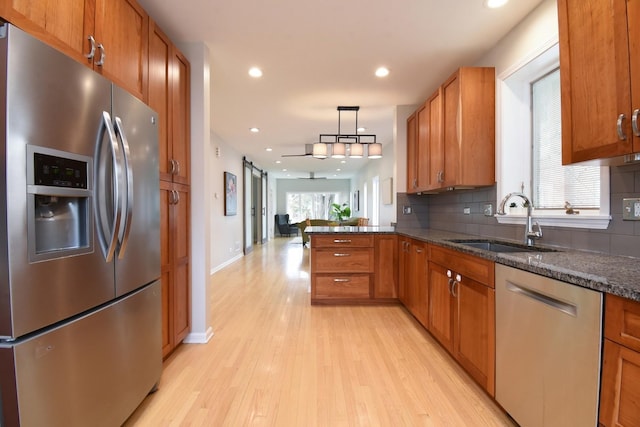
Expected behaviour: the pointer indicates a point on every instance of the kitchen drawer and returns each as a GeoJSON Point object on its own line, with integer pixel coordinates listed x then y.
{"type": "Point", "coordinates": [479, 269]}
{"type": "Point", "coordinates": [342, 240]}
{"type": "Point", "coordinates": [332, 286]}
{"type": "Point", "coordinates": [622, 321]}
{"type": "Point", "coordinates": [342, 260]}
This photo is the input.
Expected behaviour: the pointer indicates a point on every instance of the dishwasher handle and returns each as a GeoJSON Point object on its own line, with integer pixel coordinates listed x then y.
{"type": "Point", "coordinates": [565, 307]}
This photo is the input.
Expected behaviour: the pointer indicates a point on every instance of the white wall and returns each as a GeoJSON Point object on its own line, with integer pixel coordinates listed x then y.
{"type": "Point", "coordinates": [226, 231]}
{"type": "Point", "coordinates": [198, 55]}
{"type": "Point", "coordinates": [384, 169]}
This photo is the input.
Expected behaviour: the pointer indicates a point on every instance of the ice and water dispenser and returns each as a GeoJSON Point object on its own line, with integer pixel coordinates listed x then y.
{"type": "Point", "coordinates": [59, 205]}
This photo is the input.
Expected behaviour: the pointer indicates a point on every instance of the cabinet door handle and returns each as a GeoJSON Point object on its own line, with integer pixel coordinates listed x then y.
{"type": "Point", "coordinates": [341, 280]}
{"type": "Point", "coordinates": [634, 122]}
{"type": "Point", "coordinates": [418, 250]}
{"type": "Point", "coordinates": [103, 55]}
{"type": "Point", "coordinates": [440, 176]}
{"type": "Point", "coordinates": [453, 288]}
{"type": "Point", "coordinates": [341, 255]}
{"type": "Point", "coordinates": [341, 241]}
{"type": "Point", "coordinates": [621, 134]}
{"type": "Point", "coordinates": [92, 52]}
{"type": "Point", "coordinates": [450, 286]}
{"type": "Point", "coordinates": [415, 182]}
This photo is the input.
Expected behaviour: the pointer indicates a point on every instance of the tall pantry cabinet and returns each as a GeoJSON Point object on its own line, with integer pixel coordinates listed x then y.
{"type": "Point", "coordinates": [169, 95]}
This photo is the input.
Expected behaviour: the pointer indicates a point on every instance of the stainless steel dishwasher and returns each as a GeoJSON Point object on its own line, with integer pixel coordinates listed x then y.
{"type": "Point", "coordinates": [548, 347]}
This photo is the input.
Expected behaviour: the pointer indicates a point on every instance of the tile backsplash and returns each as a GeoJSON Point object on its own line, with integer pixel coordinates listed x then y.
{"type": "Point", "coordinates": [445, 211]}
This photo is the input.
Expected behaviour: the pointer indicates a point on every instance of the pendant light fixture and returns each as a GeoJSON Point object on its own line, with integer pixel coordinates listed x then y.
{"type": "Point", "coordinates": [375, 151]}
{"type": "Point", "coordinates": [339, 141]}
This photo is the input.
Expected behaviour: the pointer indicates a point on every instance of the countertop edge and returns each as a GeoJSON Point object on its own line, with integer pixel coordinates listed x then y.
{"type": "Point", "coordinates": [610, 274]}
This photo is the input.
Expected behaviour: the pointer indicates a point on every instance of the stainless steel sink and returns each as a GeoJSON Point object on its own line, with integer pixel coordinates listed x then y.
{"type": "Point", "coordinates": [502, 247]}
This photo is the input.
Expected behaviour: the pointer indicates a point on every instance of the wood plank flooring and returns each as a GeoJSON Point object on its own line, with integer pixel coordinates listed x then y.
{"type": "Point", "coordinates": [277, 361]}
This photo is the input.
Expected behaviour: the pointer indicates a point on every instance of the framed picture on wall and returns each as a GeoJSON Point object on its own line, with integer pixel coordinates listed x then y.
{"type": "Point", "coordinates": [356, 200]}
{"type": "Point", "coordinates": [230, 194]}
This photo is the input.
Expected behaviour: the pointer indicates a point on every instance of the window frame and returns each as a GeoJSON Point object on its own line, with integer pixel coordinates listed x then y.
{"type": "Point", "coordinates": [513, 169]}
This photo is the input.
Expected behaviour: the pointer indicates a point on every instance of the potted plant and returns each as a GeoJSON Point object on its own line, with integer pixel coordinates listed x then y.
{"type": "Point", "coordinates": [340, 212]}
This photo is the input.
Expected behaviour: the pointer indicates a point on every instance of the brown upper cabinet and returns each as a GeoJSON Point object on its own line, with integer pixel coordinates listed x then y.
{"type": "Point", "coordinates": [599, 114]}
{"type": "Point", "coordinates": [109, 36]}
{"type": "Point", "coordinates": [454, 135]}
{"type": "Point", "coordinates": [169, 96]}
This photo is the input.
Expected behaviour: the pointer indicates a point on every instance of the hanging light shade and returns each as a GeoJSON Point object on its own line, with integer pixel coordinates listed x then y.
{"type": "Point", "coordinates": [338, 150]}
{"type": "Point", "coordinates": [320, 150]}
{"type": "Point", "coordinates": [375, 150]}
{"type": "Point", "coordinates": [357, 150]}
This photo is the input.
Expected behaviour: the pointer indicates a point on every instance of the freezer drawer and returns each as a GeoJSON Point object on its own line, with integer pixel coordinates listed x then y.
{"type": "Point", "coordinates": [94, 370]}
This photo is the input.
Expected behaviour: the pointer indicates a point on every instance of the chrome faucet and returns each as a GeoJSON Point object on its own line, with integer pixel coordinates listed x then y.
{"type": "Point", "coordinates": [529, 234]}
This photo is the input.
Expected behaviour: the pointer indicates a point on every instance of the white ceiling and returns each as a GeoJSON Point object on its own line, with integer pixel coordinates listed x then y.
{"type": "Point", "coordinates": [318, 55]}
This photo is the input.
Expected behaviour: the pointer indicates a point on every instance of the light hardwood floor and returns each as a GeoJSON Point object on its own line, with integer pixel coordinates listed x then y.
{"type": "Point", "coordinates": [275, 360]}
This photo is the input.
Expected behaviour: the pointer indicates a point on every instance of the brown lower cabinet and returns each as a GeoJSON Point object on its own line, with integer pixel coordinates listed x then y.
{"type": "Point", "coordinates": [175, 264]}
{"type": "Point", "coordinates": [620, 390]}
{"type": "Point", "coordinates": [461, 313]}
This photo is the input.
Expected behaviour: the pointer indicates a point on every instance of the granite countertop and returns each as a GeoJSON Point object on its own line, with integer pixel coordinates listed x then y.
{"type": "Point", "coordinates": [615, 275]}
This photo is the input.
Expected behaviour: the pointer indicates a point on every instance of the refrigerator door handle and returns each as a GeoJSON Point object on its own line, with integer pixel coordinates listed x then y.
{"type": "Point", "coordinates": [107, 230]}
{"type": "Point", "coordinates": [127, 207]}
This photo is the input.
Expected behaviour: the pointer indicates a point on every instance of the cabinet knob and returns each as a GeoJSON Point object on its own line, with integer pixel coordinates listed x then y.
{"type": "Point", "coordinates": [449, 273]}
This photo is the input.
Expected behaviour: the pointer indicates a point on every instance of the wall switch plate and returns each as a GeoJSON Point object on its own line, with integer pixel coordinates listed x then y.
{"type": "Point", "coordinates": [488, 209]}
{"type": "Point", "coordinates": [406, 210]}
{"type": "Point", "coordinates": [631, 209]}
{"type": "Point", "coordinates": [467, 211]}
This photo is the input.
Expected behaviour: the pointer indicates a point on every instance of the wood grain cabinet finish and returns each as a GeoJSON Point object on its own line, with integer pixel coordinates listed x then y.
{"type": "Point", "coordinates": [599, 38]}
{"type": "Point", "coordinates": [169, 88]}
{"type": "Point", "coordinates": [385, 284]}
{"type": "Point", "coordinates": [175, 264]}
{"type": "Point", "coordinates": [620, 390]}
{"type": "Point", "coordinates": [413, 280]}
{"type": "Point", "coordinates": [453, 140]}
{"type": "Point", "coordinates": [354, 268]}
{"type": "Point", "coordinates": [119, 29]}
{"type": "Point", "coordinates": [169, 96]}
{"type": "Point", "coordinates": [462, 311]}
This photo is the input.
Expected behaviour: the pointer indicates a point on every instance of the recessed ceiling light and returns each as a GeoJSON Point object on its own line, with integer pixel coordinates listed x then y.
{"type": "Point", "coordinates": [254, 130]}
{"type": "Point", "coordinates": [338, 170]}
{"type": "Point", "coordinates": [343, 161]}
{"type": "Point", "coordinates": [494, 4]}
{"type": "Point", "coordinates": [361, 129]}
{"type": "Point", "coordinates": [382, 72]}
{"type": "Point", "coordinates": [278, 162]}
{"type": "Point", "coordinates": [255, 72]}
{"type": "Point", "coordinates": [284, 170]}
{"type": "Point", "coordinates": [269, 149]}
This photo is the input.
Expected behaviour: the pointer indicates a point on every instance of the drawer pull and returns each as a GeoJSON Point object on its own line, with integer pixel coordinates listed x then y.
{"type": "Point", "coordinates": [341, 254]}
{"type": "Point", "coordinates": [341, 240]}
{"type": "Point", "coordinates": [341, 280]}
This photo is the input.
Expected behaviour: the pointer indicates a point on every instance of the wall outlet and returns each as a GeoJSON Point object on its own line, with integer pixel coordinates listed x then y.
{"type": "Point", "coordinates": [467, 211]}
{"type": "Point", "coordinates": [631, 209]}
{"type": "Point", "coordinates": [488, 209]}
{"type": "Point", "coordinates": [406, 210]}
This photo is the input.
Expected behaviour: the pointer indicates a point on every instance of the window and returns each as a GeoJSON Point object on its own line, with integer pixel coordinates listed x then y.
{"type": "Point", "coordinates": [301, 206]}
{"type": "Point", "coordinates": [554, 184]}
{"type": "Point", "coordinates": [529, 150]}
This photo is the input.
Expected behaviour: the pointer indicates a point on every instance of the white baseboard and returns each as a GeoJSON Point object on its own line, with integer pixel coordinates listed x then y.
{"type": "Point", "coordinates": [226, 263]}
{"type": "Point", "coordinates": [199, 337]}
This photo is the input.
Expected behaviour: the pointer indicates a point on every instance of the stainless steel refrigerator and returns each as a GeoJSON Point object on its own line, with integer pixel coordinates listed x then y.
{"type": "Point", "coordinates": [80, 310]}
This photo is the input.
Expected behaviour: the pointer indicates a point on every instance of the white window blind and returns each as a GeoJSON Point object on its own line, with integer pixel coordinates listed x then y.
{"type": "Point", "coordinates": [554, 184]}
